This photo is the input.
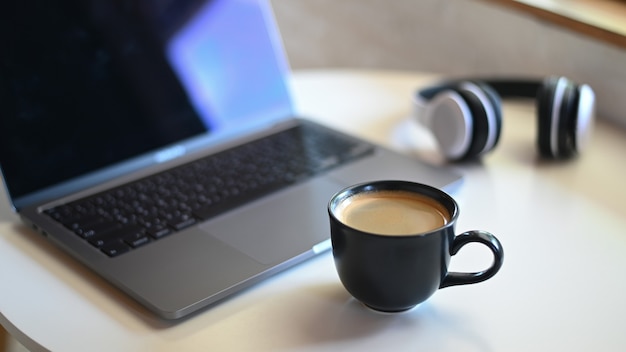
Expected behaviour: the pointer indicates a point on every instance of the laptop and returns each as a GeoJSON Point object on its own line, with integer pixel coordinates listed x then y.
{"type": "Point", "coordinates": [156, 143]}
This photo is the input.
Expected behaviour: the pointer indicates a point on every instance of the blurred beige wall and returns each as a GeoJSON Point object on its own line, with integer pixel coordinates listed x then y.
{"type": "Point", "coordinates": [467, 37]}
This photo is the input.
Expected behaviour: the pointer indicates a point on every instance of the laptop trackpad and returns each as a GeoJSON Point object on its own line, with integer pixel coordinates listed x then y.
{"type": "Point", "coordinates": [280, 226]}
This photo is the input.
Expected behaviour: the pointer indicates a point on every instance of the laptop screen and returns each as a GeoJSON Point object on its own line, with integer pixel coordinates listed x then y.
{"type": "Point", "coordinates": [88, 84]}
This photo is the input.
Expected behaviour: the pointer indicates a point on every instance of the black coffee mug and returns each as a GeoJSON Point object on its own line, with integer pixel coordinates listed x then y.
{"type": "Point", "coordinates": [392, 242]}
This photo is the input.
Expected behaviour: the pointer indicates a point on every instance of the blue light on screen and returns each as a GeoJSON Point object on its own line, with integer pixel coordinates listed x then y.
{"type": "Point", "coordinates": [228, 61]}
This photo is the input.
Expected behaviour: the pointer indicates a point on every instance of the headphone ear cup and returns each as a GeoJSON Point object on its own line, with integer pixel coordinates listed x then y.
{"type": "Point", "coordinates": [494, 115]}
{"type": "Point", "coordinates": [479, 118]}
{"type": "Point", "coordinates": [449, 118]}
{"type": "Point", "coordinates": [484, 104]}
{"type": "Point", "coordinates": [545, 97]}
{"type": "Point", "coordinates": [557, 106]}
{"type": "Point", "coordinates": [465, 120]}
{"type": "Point", "coordinates": [585, 116]}
{"type": "Point", "coordinates": [566, 133]}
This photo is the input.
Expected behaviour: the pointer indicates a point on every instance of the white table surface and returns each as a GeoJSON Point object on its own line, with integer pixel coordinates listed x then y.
{"type": "Point", "coordinates": [562, 286]}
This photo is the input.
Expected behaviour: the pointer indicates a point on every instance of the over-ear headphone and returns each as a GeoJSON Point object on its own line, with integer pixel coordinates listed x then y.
{"type": "Point", "coordinates": [465, 116]}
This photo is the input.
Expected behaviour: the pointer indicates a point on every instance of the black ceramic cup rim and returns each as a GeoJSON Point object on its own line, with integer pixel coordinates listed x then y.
{"type": "Point", "coordinates": [395, 185]}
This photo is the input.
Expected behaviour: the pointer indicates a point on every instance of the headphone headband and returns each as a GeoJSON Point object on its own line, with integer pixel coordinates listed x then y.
{"type": "Point", "coordinates": [506, 88]}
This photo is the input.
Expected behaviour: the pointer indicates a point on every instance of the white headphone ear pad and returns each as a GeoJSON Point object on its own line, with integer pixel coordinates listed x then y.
{"type": "Point", "coordinates": [448, 117]}
{"type": "Point", "coordinates": [585, 116]}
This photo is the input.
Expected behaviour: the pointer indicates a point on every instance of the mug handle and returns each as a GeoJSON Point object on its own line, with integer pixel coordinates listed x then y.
{"type": "Point", "coordinates": [488, 240]}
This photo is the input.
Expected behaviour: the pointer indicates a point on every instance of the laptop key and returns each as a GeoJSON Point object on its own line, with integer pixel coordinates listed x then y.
{"type": "Point", "coordinates": [105, 238]}
{"type": "Point", "coordinates": [181, 222]}
{"type": "Point", "coordinates": [115, 248]}
{"type": "Point", "coordinates": [136, 239]}
{"type": "Point", "coordinates": [92, 230]}
{"type": "Point", "coordinates": [157, 232]}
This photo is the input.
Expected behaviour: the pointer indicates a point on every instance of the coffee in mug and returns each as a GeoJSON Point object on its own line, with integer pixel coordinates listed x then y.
{"type": "Point", "coordinates": [392, 213]}
{"type": "Point", "coordinates": [392, 242]}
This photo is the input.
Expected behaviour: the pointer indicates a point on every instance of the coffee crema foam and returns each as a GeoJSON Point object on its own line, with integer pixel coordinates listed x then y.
{"type": "Point", "coordinates": [392, 213]}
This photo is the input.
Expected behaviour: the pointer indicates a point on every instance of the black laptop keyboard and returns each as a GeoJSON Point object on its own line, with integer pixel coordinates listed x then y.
{"type": "Point", "coordinates": [136, 214]}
